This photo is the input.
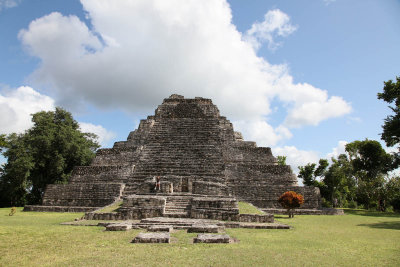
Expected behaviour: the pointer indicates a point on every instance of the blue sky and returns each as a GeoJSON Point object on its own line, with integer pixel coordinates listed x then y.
{"type": "Point", "coordinates": [299, 76]}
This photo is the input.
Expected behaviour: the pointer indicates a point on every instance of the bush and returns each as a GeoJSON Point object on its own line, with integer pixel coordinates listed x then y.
{"type": "Point", "coordinates": [291, 200]}
{"type": "Point", "coordinates": [352, 204]}
{"type": "Point", "coordinates": [326, 203]}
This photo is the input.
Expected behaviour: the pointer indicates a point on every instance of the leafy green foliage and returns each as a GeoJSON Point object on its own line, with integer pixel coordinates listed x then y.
{"type": "Point", "coordinates": [370, 163]}
{"type": "Point", "coordinates": [281, 160]}
{"type": "Point", "coordinates": [392, 189]}
{"type": "Point", "coordinates": [391, 127]}
{"type": "Point", "coordinates": [359, 175]}
{"type": "Point", "coordinates": [3, 142]}
{"type": "Point", "coordinates": [44, 154]}
{"type": "Point", "coordinates": [310, 172]}
{"type": "Point", "coordinates": [339, 182]}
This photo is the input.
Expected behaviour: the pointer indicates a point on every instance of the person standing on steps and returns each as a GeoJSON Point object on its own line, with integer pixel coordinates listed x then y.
{"type": "Point", "coordinates": [158, 183]}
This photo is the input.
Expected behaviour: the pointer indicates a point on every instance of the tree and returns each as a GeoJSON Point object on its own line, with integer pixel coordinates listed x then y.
{"type": "Point", "coordinates": [310, 172]}
{"type": "Point", "coordinates": [370, 163]}
{"type": "Point", "coordinates": [3, 142]}
{"type": "Point", "coordinates": [393, 192]}
{"type": "Point", "coordinates": [281, 160]}
{"type": "Point", "coordinates": [291, 200]}
{"type": "Point", "coordinates": [391, 126]}
{"type": "Point", "coordinates": [44, 154]}
{"type": "Point", "coordinates": [339, 181]}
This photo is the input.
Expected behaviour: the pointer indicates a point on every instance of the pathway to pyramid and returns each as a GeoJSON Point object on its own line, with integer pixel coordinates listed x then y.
{"type": "Point", "coordinates": [203, 164]}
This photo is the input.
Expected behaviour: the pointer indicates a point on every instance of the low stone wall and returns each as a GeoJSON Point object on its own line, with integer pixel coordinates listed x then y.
{"type": "Point", "coordinates": [258, 218]}
{"type": "Point", "coordinates": [58, 208]}
{"type": "Point", "coordinates": [82, 194]}
{"type": "Point", "coordinates": [266, 196]}
{"type": "Point", "coordinates": [215, 208]}
{"type": "Point", "coordinates": [141, 206]}
{"type": "Point", "coordinates": [209, 188]}
{"type": "Point", "coordinates": [105, 216]}
{"type": "Point", "coordinates": [323, 211]}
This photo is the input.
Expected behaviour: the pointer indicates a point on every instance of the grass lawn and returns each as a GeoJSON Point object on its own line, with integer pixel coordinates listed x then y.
{"type": "Point", "coordinates": [358, 238]}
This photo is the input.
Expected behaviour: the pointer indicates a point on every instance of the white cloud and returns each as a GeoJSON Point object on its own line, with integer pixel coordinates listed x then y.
{"type": "Point", "coordinates": [310, 105]}
{"type": "Point", "coordinates": [105, 136]}
{"type": "Point", "coordinates": [262, 132]}
{"type": "Point", "coordinates": [336, 151]}
{"type": "Point", "coordinates": [4, 4]}
{"type": "Point", "coordinates": [296, 157]}
{"type": "Point", "coordinates": [150, 49]}
{"type": "Point", "coordinates": [17, 105]}
{"type": "Point", "coordinates": [275, 24]}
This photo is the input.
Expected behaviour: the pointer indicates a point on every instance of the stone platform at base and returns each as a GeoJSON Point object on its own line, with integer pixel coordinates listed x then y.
{"type": "Point", "coordinates": [202, 225]}
{"type": "Point", "coordinates": [59, 208]}
{"type": "Point", "coordinates": [323, 211]}
{"type": "Point", "coordinates": [152, 238]}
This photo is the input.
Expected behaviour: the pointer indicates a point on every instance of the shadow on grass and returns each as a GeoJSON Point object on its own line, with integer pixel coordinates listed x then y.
{"type": "Point", "coordinates": [371, 213]}
{"type": "Point", "coordinates": [383, 225]}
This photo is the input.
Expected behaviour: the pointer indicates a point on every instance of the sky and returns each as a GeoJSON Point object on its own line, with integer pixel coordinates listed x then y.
{"type": "Point", "coordinates": [300, 77]}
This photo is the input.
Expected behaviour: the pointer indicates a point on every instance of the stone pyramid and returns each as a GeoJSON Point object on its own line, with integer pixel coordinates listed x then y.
{"type": "Point", "coordinates": [197, 155]}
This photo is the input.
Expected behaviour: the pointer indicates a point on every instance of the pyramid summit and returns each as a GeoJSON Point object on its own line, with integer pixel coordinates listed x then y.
{"type": "Point", "coordinates": [203, 167]}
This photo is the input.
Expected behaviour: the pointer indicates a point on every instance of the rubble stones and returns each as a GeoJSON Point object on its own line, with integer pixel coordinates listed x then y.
{"type": "Point", "coordinates": [205, 228]}
{"type": "Point", "coordinates": [119, 227]}
{"type": "Point", "coordinates": [160, 228]}
{"type": "Point", "coordinates": [211, 238]}
{"type": "Point", "coordinates": [155, 237]}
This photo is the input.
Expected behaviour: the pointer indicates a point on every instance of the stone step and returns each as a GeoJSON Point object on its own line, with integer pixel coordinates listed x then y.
{"type": "Point", "coordinates": [176, 214]}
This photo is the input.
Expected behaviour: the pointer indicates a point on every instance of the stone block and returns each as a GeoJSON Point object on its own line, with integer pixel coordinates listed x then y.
{"type": "Point", "coordinates": [152, 238]}
{"type": "Point", "coordinates": [119, 227]}
{"type": "Point", "coordinates": [160, 228]}
{"type": "Point", "coordinates": [205, 228]}
{"type": "Point", "coordinates": [211, 238]}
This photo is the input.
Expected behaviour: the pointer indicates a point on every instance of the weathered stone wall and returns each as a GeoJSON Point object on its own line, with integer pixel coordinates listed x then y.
{"type": "Point", "coordinates": [116, 156]}
{"type": "Point", "coordinates": [101, 174]}
{"type": "Point", "coordinates": [142, 206]}
{"type": "Point", "coordinates": [214, 208]}
{"type": "Point", "coordinates": [82, 194]}
{"type": "Point", "coordinates": [266, 196]}
{"type": "Point", "coordinates": [257, 218]}
{"type": "Point", "coordinates": [209, 188]}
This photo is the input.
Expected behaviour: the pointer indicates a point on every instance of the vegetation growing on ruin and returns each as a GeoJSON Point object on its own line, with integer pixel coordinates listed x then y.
{"type": "Point", "coordinates": [111, 208]}
{"type": "Point", "coordinates": [360, 238]}
{"type": "Point", "coordinates": [247, 208]}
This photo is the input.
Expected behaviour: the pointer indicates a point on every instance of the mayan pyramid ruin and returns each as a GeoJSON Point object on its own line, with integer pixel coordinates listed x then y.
{"type": "Point", "coordinates": [205, 167]}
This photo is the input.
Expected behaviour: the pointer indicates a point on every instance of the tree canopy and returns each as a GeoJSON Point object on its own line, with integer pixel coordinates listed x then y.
{"type": "Point", "coordinates": [391, 126]}
{"type": "Point", "coordinates": [359, 175]}
{"type": "Point", "coordinates": [44, 154]}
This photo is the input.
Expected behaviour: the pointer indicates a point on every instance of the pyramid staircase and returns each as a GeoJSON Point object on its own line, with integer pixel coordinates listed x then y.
{"type": "Point", "coordinates": [184, 148]}
{"type": "Point", "coordinates": [177, 207]}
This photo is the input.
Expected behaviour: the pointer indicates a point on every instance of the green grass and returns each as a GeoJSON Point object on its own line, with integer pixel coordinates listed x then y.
{"type": "Point", "coordinates": [112, 208]}
{"type": "Point", "coordinates": [246, 208]}
{"type": "Point", "coordinates": [359, 238]}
